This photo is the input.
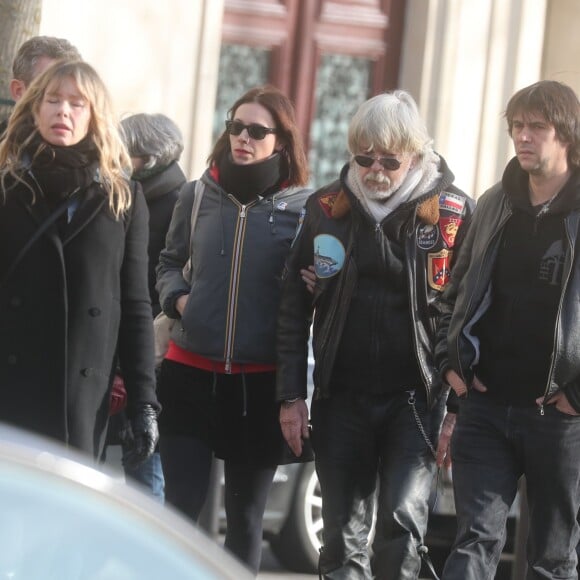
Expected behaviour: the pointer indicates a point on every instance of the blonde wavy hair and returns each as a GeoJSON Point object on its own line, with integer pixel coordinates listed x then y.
{"type": "Point", "coordinates": [114, 161]}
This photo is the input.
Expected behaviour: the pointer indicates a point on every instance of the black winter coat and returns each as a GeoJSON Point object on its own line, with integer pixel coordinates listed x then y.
{"type": "Point", "coordinates": [161, 192]}
{"type": "Point", "coordinates": [66, 310]}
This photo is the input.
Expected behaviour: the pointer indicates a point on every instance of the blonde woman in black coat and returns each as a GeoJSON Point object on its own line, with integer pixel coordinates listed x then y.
{"type": "Point", "coordinates": [73, 267]}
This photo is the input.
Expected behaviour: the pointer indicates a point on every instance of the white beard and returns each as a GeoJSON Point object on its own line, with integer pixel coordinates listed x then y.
{"type": "Point", "coordinates": [384, 196]}
{"type": "Point", "coordinates": [376, 187]}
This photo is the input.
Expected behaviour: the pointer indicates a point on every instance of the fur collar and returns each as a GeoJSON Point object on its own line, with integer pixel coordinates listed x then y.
{"type": "Point", "coordinates": [427, 211]}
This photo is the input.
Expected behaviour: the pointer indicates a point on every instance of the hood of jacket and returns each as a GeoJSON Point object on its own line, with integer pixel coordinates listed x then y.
{"type": "Point", "coordinates": [515, 183]}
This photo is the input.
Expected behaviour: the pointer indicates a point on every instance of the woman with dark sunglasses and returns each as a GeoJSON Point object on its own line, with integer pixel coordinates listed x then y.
{"type": "Point", "coordinates": [217, 381]}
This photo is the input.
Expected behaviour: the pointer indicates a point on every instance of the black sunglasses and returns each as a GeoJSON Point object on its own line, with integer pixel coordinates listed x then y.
{"type": "Point", "coordinates": [389, 163]}
{"type": "Point", "coordinates": [255, 131]}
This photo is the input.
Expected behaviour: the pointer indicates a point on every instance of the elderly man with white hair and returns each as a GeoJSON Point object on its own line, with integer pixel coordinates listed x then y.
{"type": "Point", "coordinates": [381, 239]}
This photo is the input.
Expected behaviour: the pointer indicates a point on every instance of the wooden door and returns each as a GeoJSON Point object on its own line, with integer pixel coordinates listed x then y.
{"type": "Point", "coordinates": [328, 56]}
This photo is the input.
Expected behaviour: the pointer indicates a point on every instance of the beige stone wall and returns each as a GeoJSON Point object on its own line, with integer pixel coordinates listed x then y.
{"type": "Point", "coordinates": [562, 43]}
{"type": "Point", "coordinates": [462, 60]}
{"type": "Point", "coordinates": [155, 57]}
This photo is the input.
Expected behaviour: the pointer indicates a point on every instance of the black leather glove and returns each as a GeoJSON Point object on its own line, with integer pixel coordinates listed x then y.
{"type": "Point", "coordinates": [142, 437]}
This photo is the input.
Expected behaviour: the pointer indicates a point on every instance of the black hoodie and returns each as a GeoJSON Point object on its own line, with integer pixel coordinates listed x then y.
{"type": "Point", "coordinates": [517, 331]}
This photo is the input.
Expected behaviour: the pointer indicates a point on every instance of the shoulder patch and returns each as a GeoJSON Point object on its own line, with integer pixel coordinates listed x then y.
{"type": "Point", "coordinates": [427, 236]}
{"type": "Point", "coordinates": [326, 202]}
{"type": "Point", "coordinates": [328, 255]}
{"type": "Point", "coordinates": [449, 226]}
{"type": "Point", "coordinates": [451, 202]}
{"type": "Point", "coordinates": [438, 269]}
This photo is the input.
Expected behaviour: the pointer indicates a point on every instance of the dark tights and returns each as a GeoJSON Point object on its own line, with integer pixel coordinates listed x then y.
{"type": "Point", "coordinates": [187, 467]}
{"type": "Point", "coordinates": [246, 493]}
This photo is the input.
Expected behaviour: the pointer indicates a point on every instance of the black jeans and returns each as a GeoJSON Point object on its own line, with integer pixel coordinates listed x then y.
{"type": "Point", "coordinates": [492, 447]}
{"type": "Point", "coordinates": [359, 438]}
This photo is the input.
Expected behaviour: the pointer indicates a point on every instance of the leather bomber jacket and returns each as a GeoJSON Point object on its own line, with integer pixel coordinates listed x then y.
{"type": "Point", "coordinates": [466, 296]}
{"type": "Point", "coordinates": [432, 225]}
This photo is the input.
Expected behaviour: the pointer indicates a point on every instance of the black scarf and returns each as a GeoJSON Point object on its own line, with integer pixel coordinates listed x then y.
{"type": "Point", "coordinates": [246, 182]}
{"type": "Point", "coordinates": [60, 171]}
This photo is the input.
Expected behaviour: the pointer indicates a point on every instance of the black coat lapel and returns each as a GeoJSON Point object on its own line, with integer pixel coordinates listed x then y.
{"type": "Point", "coordinates": [90, 205]}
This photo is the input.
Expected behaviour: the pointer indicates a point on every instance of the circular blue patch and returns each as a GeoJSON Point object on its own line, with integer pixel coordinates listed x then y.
{"type": "Point", "coordinates": [328, 255]}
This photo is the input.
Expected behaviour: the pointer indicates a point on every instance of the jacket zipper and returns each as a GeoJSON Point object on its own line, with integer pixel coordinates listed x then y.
{"type": "Point", "coordinates": [559, 316]}
{"type": "Point", "coordinates": [234, 281]}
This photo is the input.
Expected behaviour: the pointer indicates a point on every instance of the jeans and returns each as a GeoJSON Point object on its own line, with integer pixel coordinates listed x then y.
{"type": "Point", "coordinates": [493, 445]}
{"type": "Point", "coordinates": [359, 438]}
{"type": "Point", "coordinates": [150, 475]}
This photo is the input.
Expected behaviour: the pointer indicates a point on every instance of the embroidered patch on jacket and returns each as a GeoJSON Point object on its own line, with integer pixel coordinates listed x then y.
{"type": "Point", "coordinates": [299, 225]}
{"type": "Point", "coordinates": [449, 227]}
{"type": "Point", "coordinates": [328, 255]}
{"type": "Point", "coordinates": [438, 270]}
{"type": "Point", "coordinates": [427, 236]}
{"type": "Point", "coordinates": [451, 202]}
{"type": "Point", "coordinates": [326, 202]}
{"type": "Point", "coordinates": [282, 205]}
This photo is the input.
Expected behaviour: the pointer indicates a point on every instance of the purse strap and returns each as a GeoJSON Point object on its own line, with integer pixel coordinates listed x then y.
{"type": "Point", "coordinates": [198, 194]}
{"type": "Point", "coordinates": [42, 228]}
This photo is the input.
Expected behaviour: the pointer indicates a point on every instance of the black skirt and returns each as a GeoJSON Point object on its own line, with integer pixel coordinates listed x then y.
{"type": "Point", "coordinates": [236, 415]}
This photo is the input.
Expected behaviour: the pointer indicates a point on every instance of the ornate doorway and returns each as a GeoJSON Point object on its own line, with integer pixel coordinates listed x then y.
{"type": "Point", "coordinates": [328, 56]}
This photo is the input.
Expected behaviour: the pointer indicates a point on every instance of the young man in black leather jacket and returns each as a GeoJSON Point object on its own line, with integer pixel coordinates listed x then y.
{"type": "Point", "coordinates": [509, 346]}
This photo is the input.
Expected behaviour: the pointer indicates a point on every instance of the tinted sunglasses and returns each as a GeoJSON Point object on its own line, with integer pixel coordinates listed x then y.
{"type": "Point", "coordinates": [255, 131]}
{"type": "Point", "coordinates": [389, 163]}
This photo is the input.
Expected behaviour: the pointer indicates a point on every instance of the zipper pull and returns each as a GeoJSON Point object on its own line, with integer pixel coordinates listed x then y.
{"type": "Point", "coordinates": [541, 408]}
{"type": "Point", "coordinates": [243, 211]}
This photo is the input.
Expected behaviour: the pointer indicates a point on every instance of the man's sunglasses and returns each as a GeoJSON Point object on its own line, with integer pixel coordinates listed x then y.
{"type": "Point", "coordinates": [255, 131]}
{"type": "Point", "coordinates": [389, 163]}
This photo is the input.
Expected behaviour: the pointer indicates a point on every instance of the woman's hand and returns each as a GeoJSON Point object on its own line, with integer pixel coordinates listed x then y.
{"type": "Point", "coordinates": [309, 277]}
{"type": "Point", "coordinates": [180, 303]}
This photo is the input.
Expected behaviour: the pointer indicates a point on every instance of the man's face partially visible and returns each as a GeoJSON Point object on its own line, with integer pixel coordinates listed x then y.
{"type": "Point", "coordinates": [17, 86]}
{"type": "Point", "coordinates": [538, 148]}
{"type": "Point", "coordinates": [380, 182]}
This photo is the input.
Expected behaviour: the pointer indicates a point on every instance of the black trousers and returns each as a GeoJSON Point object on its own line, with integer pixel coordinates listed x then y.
{"type": "Point", "coordinates": [359, 439]}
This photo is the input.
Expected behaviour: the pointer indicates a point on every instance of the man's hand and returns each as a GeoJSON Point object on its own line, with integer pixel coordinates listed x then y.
{"type": "Point", "coordinates": [561, 401]}
{"type": "Point", "coordinates": [478, 385]}
{"type": "Point", "coordinates": [309, 277]}
{"type": "Point", "coordinates": [455, 382]}
{"type": "Point", "coordinates": [294, 424]}
{"type": "Point", "coordinates": [443, 457]}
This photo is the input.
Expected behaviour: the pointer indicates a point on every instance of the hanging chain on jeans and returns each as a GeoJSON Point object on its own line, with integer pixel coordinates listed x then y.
{"type": "Point", "coordinates": [422, 549]}
{"type": "Point", "coordinates": [411, 400]}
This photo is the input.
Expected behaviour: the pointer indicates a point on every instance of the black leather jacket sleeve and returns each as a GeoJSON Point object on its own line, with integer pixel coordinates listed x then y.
{"type": "Point", "coordinates": [294, 319]}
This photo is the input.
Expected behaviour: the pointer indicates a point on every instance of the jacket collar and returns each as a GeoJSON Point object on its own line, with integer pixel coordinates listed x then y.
{"type": "Point", "coordinates": [515, 183]}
